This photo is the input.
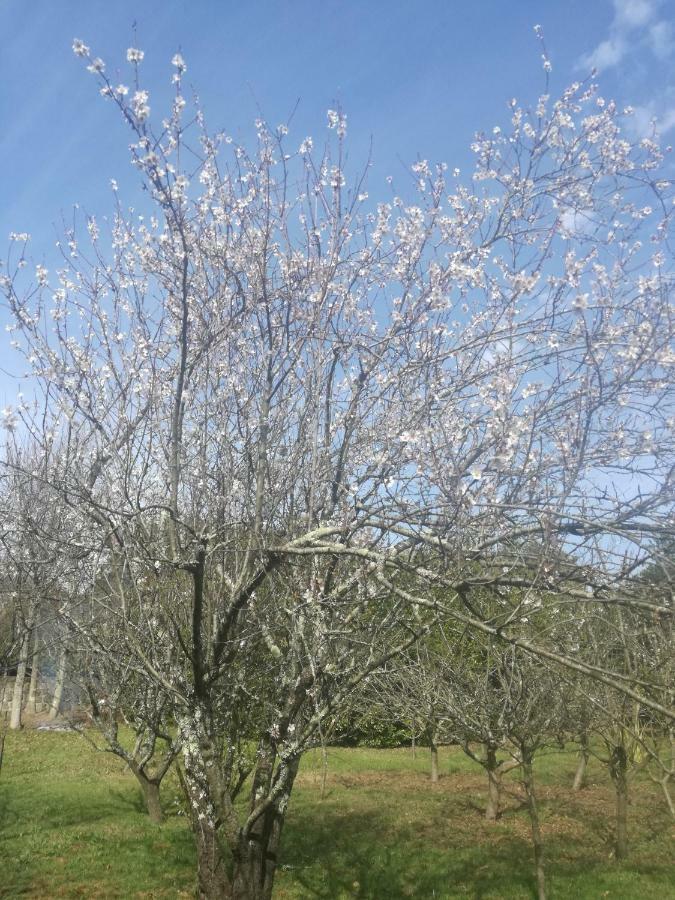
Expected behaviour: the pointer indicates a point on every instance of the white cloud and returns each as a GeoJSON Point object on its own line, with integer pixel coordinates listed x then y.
{"type": "Point", "coordinates": [607, 54]}
{"type": "Point", "coordinates": [644, 117]}
{"type": "Point", "coordinates": [661, 39]}
{"type": "Point", "coordinates": [666, 121]}
{"type": "Point", "coordinates": [641, 123]}
{"type": "Point", "coordinates": [633, 13]}
{"type": "Point", "coordinates": [635, 24]}
{"type": "Point", "coordinates": [578, 222]}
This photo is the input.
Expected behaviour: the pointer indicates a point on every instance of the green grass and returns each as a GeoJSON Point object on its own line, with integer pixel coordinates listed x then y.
{"type": "Point", "coordinates": [72, 825]}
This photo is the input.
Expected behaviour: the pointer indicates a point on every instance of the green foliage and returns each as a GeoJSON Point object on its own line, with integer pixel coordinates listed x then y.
{"type": "Point", "coordinates": [371, 730]}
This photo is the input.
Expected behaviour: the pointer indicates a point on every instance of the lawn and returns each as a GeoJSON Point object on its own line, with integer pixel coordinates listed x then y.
{"type": "Point", "coordinates": [72, 825]}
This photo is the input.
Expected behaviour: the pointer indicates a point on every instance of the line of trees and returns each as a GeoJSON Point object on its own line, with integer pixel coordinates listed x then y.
{"type": "Point", "coordinates": [280, 435]}
{"type": "Point", "coordinates": [504, 706]}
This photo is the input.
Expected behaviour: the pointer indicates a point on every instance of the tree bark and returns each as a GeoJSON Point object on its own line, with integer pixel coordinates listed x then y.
{"type": "Point", "coordinates": [58, 686]}
{"type": "Point", "coordinates": [35, 666]}
{"type": "Point", "coordinates": [434, 759]}
{"type": "Point", "coordinates": [17, 695]}
{"type": "Point", "coordinates": [4, 681]}
{"type": "Point", "coordinates": [255, 868]}
{"type": "Point", "coordinates": [493, 809]}
{"type": "Point", "coordinates": [152, 802]}
{"type": "Point", "coordinates": [580, 774]}
{"type": "Point", "coordinates": [668, 773]}
{"type": "Point", "coordinates": [150, 789]}
{"type": "Point", "coordinates": [247, 871]}
{"type": "Point", "coordinates": [537, 840]}
{"type": "Point", "coordinates": [434, 764]}
{"type": "Point", "coordinates": [254, 860]}
{"type": "Point", "coordinates": [257, 860]}
{"type": "Point", "coordinates": [664, 782]}
{"type": "Point", "coordinates": [213, 883]}
{"type": "Point", "coordinates": [618, 768]}
{"type": "Point", "coordinates": [324, 770]}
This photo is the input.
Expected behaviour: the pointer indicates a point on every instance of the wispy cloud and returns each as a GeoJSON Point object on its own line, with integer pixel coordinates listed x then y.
{"type": "Point", "coordinates": [636, 24]}
{"type": "Point", "coordinates": [651, 114]}
{"type": "Point", "coordinates": [662, 39]}
{"type": "Point", "coordinates": [633, 13]}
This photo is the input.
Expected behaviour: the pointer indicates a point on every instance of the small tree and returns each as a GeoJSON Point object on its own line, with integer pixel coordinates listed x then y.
{"type": "Point", "coordinates": [538, 717]}
{"type": "Point", "coordinates": [450, 683]}
{"type": "Point", "coordinates": [624, 727]}
{"type": "Point", "coordinates": [656, 581]}
{"type": "Point", "coordinates": [116, 696]}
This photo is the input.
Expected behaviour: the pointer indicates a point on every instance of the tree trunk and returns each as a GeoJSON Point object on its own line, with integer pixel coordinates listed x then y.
{"type": "Point", "coordinates": [150, 789]}
{"type": "Point", "coordinates": [212, 879]}
{"type": "Point", "coordinates": [35, 665]}
{"type": "Point", "coordinates": [664, 782]}
{"type": "Point", "coordinates": [17, 696]}
{"type": "Point", "coordinates": [537, 841]}
{"type": "Point", "coordinates": [58, 686]}
{"type": "Point", "coordinates": [580, 774]}
{"type": "Point", "coordinates": [256, 863]}
{"type": "Point", "coordinates": [3, 690]}
{"type": "Point", "coordinates": [619, 771]}
{"type": "Point", "coordinates": [324, 768]}
{"type": "Point", "coordinates": [669, 774]}
{"type": "Point", "coordinates": [213, 883]}
{"type": "Point", "coordinates": [254, 871]}
{"type": "Point", "coordinates": [434, 759]}
{"type": "Point", "coordinates": [152, 802]}
{"type": "Point", "coordinates": [493, 808]}
{"type": "Point", "coordinates": [252, 846]}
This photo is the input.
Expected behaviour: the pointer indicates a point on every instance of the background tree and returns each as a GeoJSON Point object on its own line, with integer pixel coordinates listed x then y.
{"type": "Point", "coordinates": [658, 734]}
{"type": "Point", "coordinates": [626, 729]}
{"type": "Point", "coordinates": [34, 569]}
{"type": "Point", "coordinates": [117, 696]}
{"type": "Point", "coordinates": [450, 682]}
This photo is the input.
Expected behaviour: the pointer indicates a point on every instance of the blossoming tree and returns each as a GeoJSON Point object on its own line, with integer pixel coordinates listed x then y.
{"type": "Point", "coordinates": [288, 417]}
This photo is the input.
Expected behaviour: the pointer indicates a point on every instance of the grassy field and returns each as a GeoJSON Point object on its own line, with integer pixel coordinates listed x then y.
{"type": "Point", "coordinates": [72, 825]}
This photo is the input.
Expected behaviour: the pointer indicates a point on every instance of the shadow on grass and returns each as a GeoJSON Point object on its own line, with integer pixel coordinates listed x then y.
{"type": "Point", "coordinates": [351, 855]}
{"type": "Point", "coordinates": [362, 846]}
{"type": "Point", "coordinates": [22, 808]}
{"type": "Point", "coordinates": [72, 840]}
{"type": "Point", "coordinates": [129, 799]}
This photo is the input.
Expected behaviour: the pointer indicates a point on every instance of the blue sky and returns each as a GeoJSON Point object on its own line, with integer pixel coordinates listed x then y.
{"type": "Point", "coordinates": [419, 78]}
